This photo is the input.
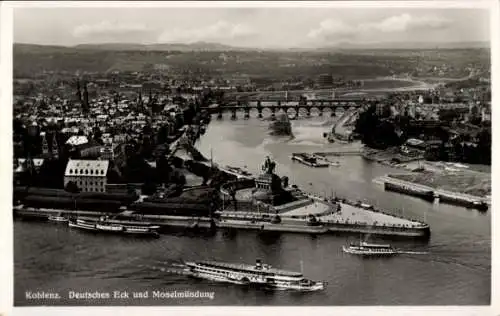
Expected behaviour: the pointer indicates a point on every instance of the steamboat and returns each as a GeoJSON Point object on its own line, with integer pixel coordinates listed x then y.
{"type": "Point", "coordinates": [367, 249]}
{"type": "Point", "coordinates": [262, 275]}
{"type": "Point", "coordinates": [105, 227]}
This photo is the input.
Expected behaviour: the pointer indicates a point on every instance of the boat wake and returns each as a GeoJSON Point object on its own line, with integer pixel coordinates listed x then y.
{"type": "Point", "coordinates": [445, 259]}
{"type": "Point", "coordinates": [403, 252]}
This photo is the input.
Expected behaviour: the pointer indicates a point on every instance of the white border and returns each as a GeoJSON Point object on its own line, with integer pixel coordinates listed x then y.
{"type": "Point", "coordinates": [6, 234]}
{"type": "Point", "coordinates": [256, 4]}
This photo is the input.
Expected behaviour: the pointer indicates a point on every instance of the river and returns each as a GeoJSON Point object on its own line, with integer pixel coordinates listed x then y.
{"type": "Point", "coordinates": [456, 271]}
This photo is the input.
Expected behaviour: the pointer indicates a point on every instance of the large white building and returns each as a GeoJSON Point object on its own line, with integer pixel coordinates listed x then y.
{"type": "Point", "coordinates": [88, 175]}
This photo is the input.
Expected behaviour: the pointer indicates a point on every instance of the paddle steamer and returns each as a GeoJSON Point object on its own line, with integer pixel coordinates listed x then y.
{"type": "Point", "coordinates": [258, 275]}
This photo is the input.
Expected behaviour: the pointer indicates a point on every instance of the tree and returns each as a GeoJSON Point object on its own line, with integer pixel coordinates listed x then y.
{"type": "Point", "coordinates": [148, 188]}
{"type": "Point", "coordinates": [163, 170]}
{"type": "Point", "coordinates": [72, 187]}
{"type": "Point", "coordinates": [484, 146]}
{"type": "Point", "coordinates": [448, 115]}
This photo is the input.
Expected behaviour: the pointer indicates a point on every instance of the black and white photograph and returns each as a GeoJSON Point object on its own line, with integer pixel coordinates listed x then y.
{"type": "Point", "coordinates": [216, 154]}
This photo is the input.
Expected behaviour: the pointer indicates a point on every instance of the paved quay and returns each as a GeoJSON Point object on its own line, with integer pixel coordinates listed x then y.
{"type": "Point", "coordinates": [355, 215]}
{"type": "Point", "coordinates": [314, 208]}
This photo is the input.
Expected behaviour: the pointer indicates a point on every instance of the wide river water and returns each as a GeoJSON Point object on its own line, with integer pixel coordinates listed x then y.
{"type": "Point", "coordinates": [456, 270]}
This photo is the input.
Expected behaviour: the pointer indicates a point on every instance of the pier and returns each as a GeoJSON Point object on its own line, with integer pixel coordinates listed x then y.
{"type": "Point", "coordinates": [353, 152]}
{"type": "Point", "coordinates": [430, 194]}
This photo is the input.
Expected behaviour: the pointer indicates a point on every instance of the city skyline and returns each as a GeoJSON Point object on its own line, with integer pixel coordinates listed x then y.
{"type": "Point", "coordinates": [249, 27]}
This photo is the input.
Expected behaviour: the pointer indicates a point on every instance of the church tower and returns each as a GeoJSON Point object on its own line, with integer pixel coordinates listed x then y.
{"type": "Point", "coordinates": [85, 105]}
{"type": "Point", "coordinates": [30, 165]}
{"type": "Point", "coordinates": [139, 100]}
{"type": "Point", "coordinates": [55, 147]}
{"type": "Point", "coordinates": [78, 92]}
{"type": "Point", "coordinates": [45, 145]}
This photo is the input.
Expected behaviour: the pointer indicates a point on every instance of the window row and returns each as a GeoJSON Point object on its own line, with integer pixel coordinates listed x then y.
{"type": "Point", "coordinates": [87, 171]}
{"type": "Point", "coordinates": [91, 183]}
{"type": "Point", "coordinates": [93, 190]}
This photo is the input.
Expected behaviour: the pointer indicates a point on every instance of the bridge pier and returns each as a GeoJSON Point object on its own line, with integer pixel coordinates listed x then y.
{"type": "Point", "coordinates": [273, 113]}
{"type": "Point", "coordinates": [234, 105]}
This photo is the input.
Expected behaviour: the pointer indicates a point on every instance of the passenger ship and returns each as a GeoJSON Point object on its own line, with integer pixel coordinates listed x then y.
{"type": "Point", "coordinates": [258, 274]}
{"type": "Point", "coordinates": [106, 227]}
{"type": "Point", "coordinates": [366, 249]}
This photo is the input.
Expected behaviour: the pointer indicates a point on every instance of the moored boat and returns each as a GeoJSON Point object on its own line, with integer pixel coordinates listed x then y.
{"type": "Point", "coordinates": [58, 218]}
{"type": "Point", "coordinates": [334, 163]}
{"type": "Point", "coordinates": [309, 160]}
{"type": "Point", "coordinates": [106, 227]}
{"type": "Point", "coordinates": [254, 275]}
{"type": "Point", "coordinates": [426, 194]}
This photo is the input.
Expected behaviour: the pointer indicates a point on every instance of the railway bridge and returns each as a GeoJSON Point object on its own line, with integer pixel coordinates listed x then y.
{"type": "Point", "coordinates": [276, 105]}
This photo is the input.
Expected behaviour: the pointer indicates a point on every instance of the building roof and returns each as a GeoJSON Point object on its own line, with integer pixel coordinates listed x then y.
{"type": "Point", "coordinates": [88, 168]}
{"type": "Point", "coordinates": [414, 142]}
{"type": "Point", "coordinates": [37, 162]}
{"type": "Point", "coordinates": [77, 140]}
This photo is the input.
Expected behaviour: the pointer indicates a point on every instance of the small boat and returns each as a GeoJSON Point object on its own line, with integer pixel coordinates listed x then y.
{"type": "Point", "coordinates": [106, 227]}
{"type": "Point", "coordinates": [309, 160]}
{"type": "Point", "coordinates": [261, 275]}
{"type": "Point", "coordinates": [367, 249]}
{"type": "Point", "coordinates": [58, 219]}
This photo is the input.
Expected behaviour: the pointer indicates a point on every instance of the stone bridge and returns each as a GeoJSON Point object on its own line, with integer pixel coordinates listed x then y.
{"type": "Point", "coordinates": [277, 105]}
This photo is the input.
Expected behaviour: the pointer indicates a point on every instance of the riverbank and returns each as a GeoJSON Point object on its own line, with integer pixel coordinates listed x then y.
{"type": "Point", "coordinates": [389, 157]}
{"type": "Point", "coordinates": [474, 185]}
{"type": "Point", "coordinates": [164, 221]}
{"type": "Point", "coordinates": [398, 183]}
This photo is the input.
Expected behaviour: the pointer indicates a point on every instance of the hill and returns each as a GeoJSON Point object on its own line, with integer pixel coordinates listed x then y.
{"type": "Point", "coordinates": [406, 45]}
{"type": "Point", "coordinates": [208, 59]}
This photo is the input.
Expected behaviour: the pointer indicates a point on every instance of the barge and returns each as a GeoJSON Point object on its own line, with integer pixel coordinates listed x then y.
{"type": "Point", "coordinates": [426, 194]}
{"type": "Point", "coordinates": [430, 194]}
{"type": "Point", "coordinates": [309, 160]}
{"type": "Point", "coordinates": [461, 200]}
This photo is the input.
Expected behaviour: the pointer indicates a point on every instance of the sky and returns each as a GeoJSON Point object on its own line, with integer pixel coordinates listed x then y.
{"type": "Point", "coordinates": [249, 27]}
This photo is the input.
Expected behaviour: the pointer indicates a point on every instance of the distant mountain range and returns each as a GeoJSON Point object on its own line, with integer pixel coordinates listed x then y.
{"type": "Point", "coordinates": [207, 46]}
{"type": "Point", "coordinates": [408, 45]}
{"type": "Point", "coordinates": [198, 46]}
